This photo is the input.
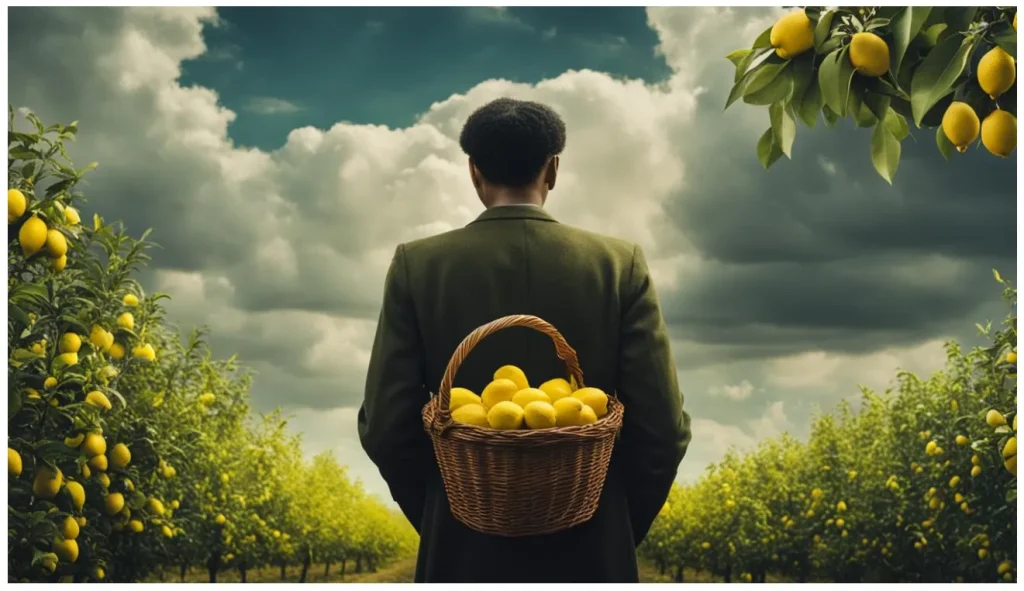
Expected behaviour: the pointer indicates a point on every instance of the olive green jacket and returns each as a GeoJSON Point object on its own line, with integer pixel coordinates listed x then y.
{"type": "Point", "coordinates": [597, 292]}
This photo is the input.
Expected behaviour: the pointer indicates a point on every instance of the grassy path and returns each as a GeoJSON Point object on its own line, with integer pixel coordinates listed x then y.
{"type": "Point", "coordinates": [401, 571]}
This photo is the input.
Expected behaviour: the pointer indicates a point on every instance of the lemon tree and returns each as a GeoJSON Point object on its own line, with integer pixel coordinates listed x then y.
{"type": "Point", "coordinates": [952, 69]}
{"type": "Point", "coordinates": [918, 484]}
{"type": "Point", "coordinates": [132, 450]}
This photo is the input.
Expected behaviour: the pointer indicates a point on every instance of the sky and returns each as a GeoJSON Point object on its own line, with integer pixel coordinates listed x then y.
{"type": "Point", "coordinates": [282, 154]}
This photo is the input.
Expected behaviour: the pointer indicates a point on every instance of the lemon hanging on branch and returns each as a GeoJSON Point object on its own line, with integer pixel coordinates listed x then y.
{"type": "Point", "coordinates": [884, 68]}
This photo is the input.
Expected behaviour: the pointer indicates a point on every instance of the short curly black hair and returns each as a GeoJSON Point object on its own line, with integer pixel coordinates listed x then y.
{"type": "Point", "coordinates": [510, 140]}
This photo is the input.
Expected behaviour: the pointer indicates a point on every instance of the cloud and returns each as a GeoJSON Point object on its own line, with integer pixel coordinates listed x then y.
{"type": "Point", "coordinates": [268, 105]}
{"type": "Point", "coordinates": [549, 33]}
{"type": "Point", "coordinates": [806, 279]}
{"type": "Point", "coordinates": [740, 391]}
{"type": "Point", "coordinates": [496, 15]}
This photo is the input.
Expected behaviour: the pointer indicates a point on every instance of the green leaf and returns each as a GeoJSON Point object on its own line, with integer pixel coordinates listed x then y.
{"type": "Point", "coordinates": [878, 104]}
{"type": "Point", "coordinates": [946, 147]}
{"type": "Point", "coordinates": [737, 57]}
{"type": "Point", "coordinates": [998, 277]}
{"type": "Point", "coordinates": [830, 116]}
{"type": "Point", "coordinates": [748, 63]}
{"type": "Point", "coordinates": [779, 89]}
{"type": "Point", "coordinates": [831, 45]}
{"type": "Point", "coordinates": [763, 40]}
{"type": "Point", "coordinates": [822, 30]}
{"type": "Point", "coordinates": [783, 126]}
{"type": "Point", "coordinates": [834, 77]}
{"type": "Point", "coordinates": [960, 19]}
{"type": "Point", "coordinates": [14, 401]}
{"type": "Point", "coordinates": [810, 105]}
{"type": "Point", "coordinates": [885, 152]}
{"type": "Point", "coordinates": [934, 78]}
{"type": "Point", "coordinates": [768, 150]}
{"type": "Point", "coordinates": [861, 114]}
{"type": "Point", "coordinates": [802, 73]}
{"type": "Point", "coordinates": [737, 91]}
{"type": "Point", "coordinates": [897, 124]}
{"type": "Point", "coordinates": [55, 451]}
{"type": "Point", "coordinates": [764, 75]}
{"type": "Point", "coordinates": [1003, 35]}
{"type": "Point", "coordinates": [905, 26]}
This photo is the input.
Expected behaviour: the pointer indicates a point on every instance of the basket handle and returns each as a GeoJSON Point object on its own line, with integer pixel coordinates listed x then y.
{"type": "Point", "coordinates": [566, 353]}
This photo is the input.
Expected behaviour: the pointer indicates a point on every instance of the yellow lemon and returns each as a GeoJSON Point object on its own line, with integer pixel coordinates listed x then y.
{"type": "Point", "coordinates": [16, 205]}
{"type": "Point", "coordinates": [155, 506]}
{"type": "Point", "coordinates": [67, 550]}
{"type": "Point", "coordinates": [74, 441]}
{"type": "Point", "coordinates": [120, 456]}
{"type": "Point", "coordinates": [954, 481]}
{"type": "Point", "coordinates": [113, 503]}
{"type": "Point", "coordinates": [961, 125]}
{"type": "Point", "coordinates": [59, 264]}
{"type": "Point", "coordinates": [792, 34]}
{"type": "Point", "coordinates": [56, 244]}
{"type": "Point", "coordinates": [69, 528]}
{"type": "Point", "coordinates": [32, 235]}
{"type": "Point", "coordinates": [996, 72]}
{"type": "Point", "coordinates": [1011, 358]}
{"type": "Point", "coordinates": [528, 395]}
{"type": "Point", "coordinates": [65, 360]}
{"type": "Point", "coordinates": [70, 343]}
{"type": "Point", "coordinates": [48, 561]}
{"type": "Point", "coordinates": [130, 300]}
{"type": "Point", "coordinates": [869, 54]}
{"type": "Point", "coordinates": [116, 351]}
{"type": "Point", "coordinates": [587, 416]}
{"type": "Point", "coordinates": [595, 398]}
{"type": "Point", "coordinates": [13, 463]}
{"type": "Point", "coordinates": [98, 337]}
{"type": "Point", "coordinates": [539, 415]}
{"type": "Point", "coordinates": [505, 415]}
{"type": "Point", "coordinates": [166, 531]}
{"type": "Point", "coordinates": [841, 506]}
{"type": "Point", "coordinates": [103, 479]}
{"type": "Point", "coordinates": [144, 352]}
{"type": "Point", "coordinates": [1006, 565]}
{"type": "Point", "coordinates": [999, 133]}
{"type": "Point", "coordinates": [568, 411]}
{"type": "Point", "coordinates": [135, 526]}
{"type": "Point", "coordinates": [471, 414]}
{"type": "Point", "coordinates": [98, 463]}
{"type": "Point", "coordinates": [500, 390]}
{"type": "Point", "coordinates": [995, 419]}
{"type": "Point", "coordinates": [961, 440]}
{"type": "Point", "coordinates": [556, 389]}
{"type": "Point", "coordinates": [98, 399]}
{"type": "Point", "coordinates": [50, 383]}
{"type": "Point", "coordinates": [126, 320]}
{"type": "Point", "coordinates": [207, 398]}
{"type": "Point", "coordinates": [511, 372]}
{"type": "Point", "coordinates": [461, 397]}
{"type": "Point", "coordinates": [47, 482]}
{"type": "Point", "coordinates": [220, 519]}
{"type": "Point", "coordinates": [71, 216]}
{"type": "Point", "coordinates": [77, 493]}
{"type": "Point", "coordinates": [94, 445]}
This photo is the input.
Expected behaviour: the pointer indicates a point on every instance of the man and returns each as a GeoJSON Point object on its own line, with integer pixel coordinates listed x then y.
{"type": "Point", "coordinates": [516, 259]}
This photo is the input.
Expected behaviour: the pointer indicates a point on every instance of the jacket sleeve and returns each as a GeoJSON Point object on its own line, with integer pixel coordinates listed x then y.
{"type": "Point", "coordinates": [656, 430]}
{"type": "Point", "coordinates": [390, 425]}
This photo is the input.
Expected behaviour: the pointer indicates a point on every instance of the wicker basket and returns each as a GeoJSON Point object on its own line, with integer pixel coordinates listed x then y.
{"type": "Point", "coordinates": [524, 482]}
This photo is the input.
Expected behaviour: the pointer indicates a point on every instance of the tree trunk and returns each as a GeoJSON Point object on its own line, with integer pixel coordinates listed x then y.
{"type": "Point", "coordinates": [213, 565]}
{"type": "Point", "coordinates": [661, 567]}
{"type": "Point", "coordinates": [184, 569]}
{"type": "Point", "coordinates": [679, 574]}
{"type": "Point", "coordinates": [728, 575]}
{"type": "Point", "coordinates": [372, 562]}
{"type": "Point", "coordinates": [282, 570]}
{"type": "Point", "coordinates": [305, 567]}
{"type": "Point", "coordinates": [327, 569]}
{"type": "Point", "coordinates": [344, 563]}
{"type": "Point", "coordinates": [241, 571]}
{"type": "Point", "coordinates": [359, 564]}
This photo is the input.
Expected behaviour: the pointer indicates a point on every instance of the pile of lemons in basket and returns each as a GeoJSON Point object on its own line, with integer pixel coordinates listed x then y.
{"type": "Point", "coordinates": [509, 403]}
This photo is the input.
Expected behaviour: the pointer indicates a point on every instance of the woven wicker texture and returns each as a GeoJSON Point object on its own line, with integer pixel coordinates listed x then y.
{"type": "Point", "coordinates": [524, 482]}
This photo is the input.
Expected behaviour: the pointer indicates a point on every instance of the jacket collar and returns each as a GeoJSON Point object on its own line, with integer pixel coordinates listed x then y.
{"type": "Point", "coordinates": [515, 212]}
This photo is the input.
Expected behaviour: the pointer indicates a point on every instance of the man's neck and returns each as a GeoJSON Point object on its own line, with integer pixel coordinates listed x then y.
{"type": "Point", "coordinates": [510, 198]}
